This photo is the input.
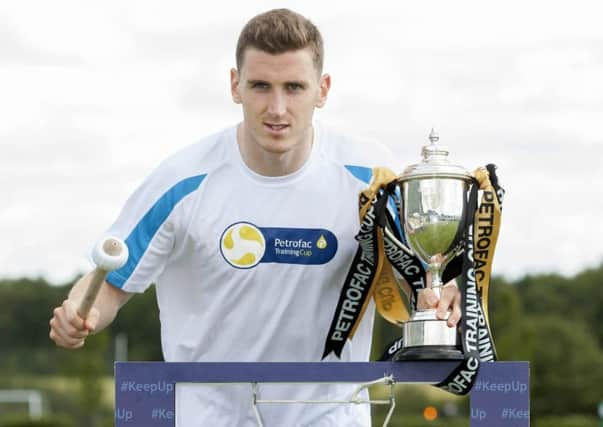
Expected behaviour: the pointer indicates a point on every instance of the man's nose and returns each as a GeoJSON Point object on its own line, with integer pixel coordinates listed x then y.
{"type": "Point", "coordinates": [277, 104]}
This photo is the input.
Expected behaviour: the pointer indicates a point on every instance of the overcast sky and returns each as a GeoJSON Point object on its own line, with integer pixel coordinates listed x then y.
{"type": "Point", "coordinates": [93, 95]}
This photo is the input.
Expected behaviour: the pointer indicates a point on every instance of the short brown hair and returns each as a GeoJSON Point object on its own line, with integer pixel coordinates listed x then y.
{"type": "Point", "coordinates": [279, 31]}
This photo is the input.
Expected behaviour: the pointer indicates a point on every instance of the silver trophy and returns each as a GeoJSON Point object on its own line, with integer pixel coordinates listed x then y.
{"type": "Point", "coordinates": [434, 214]}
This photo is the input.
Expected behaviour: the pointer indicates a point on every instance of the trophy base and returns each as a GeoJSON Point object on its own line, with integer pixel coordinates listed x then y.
{"type": "Point", "coordinates": [429, 353]}
{"type": "Point", "coordinates": [428, 338]}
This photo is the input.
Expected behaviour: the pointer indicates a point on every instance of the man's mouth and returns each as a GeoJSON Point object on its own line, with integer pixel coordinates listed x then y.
{"type": "Point", "coordinates": [276, 127]}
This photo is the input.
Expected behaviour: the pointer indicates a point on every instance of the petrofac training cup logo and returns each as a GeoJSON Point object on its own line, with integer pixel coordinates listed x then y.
{"type": "Point", "coordinates": [245, 245]}
{"type": "Point", "coordinates": [242, 245]}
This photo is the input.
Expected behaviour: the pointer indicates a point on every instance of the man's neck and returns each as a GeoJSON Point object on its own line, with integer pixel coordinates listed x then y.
{"type": "Point", "coordinates": [269, 163]}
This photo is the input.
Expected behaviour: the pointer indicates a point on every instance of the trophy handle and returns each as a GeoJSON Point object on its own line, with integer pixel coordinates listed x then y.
{"type": "Point", "coordinates": [393, 238]}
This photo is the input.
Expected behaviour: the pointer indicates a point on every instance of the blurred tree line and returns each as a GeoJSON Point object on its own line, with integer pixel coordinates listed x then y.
{"type": "Point", "coordinates": [26, 307]}
{"type": "Point", "coordinates": [555, 322]}
{"type": "Point", "coordinates": [73, 382]}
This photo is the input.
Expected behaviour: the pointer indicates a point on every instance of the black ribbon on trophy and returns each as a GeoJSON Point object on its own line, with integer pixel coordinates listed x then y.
{"type": "Point", "coordinates": [382, 255]}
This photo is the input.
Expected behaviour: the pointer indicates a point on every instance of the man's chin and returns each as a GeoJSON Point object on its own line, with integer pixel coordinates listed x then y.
{"type": "Point", "coordinates": [277, 147]}
{"type": "Point", "coordinates": [277, 143]}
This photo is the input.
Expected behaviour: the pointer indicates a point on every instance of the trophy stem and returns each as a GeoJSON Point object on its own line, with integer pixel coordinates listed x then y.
{"type": "Point", "coordinates": [436, 277]}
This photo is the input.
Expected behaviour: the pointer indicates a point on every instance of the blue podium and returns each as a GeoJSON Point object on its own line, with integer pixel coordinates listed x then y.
{"type": "Point", "coordinates": [145, 392]}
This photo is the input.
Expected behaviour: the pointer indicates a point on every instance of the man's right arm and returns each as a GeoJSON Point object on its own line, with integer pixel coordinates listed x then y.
{"type": "Point", "coordinates": [69, 330]}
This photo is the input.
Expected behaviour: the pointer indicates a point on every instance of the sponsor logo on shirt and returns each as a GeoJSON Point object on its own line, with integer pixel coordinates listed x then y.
{"type": "Point", "coordinates": [242, 245]}
{"type": "Point", "coordinates": [245, 245]}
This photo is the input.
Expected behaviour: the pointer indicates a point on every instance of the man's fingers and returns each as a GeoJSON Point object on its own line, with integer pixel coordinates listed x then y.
{"type": "Point", "coordinates": [64, 328]}
{"type": "Point", "coordinates": [455, 314]}
{"type": "Point", "coordinates": [448, 306]}
{"type": "Point", "coordinates": [68, 325]}
{"type": "Point", "coordinates": [446, 299]}
{"type": "Point", "coordinates": [63, 340]}
{"type": "Point", "coordinates": [65, 336]}
{"type": "Point", "coordinates": [67, 329]}
{"type": "Point", "coordinates": [92, 320]}
{"type": "Point", "coordinates": [71, 315]}
{"type": "Point", "coordinates": [427, 299]}
{"type": "Point", "coordinates": [449, 302]}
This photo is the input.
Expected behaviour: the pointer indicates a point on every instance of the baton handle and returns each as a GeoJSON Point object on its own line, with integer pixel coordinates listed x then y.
{"type": "Point", "coordinates": [109, 254]}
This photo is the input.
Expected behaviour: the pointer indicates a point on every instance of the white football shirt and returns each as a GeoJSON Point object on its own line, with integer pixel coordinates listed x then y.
{"type": "Point", "coordinates": [249, 268]}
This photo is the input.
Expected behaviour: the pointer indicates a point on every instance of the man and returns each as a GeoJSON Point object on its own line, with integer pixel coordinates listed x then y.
{"type": "Point", "coordinates": [248, 236]}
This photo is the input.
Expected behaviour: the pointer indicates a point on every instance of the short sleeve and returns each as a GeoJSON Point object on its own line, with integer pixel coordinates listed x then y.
{"type": "Point", "coordinates": [148, 223]}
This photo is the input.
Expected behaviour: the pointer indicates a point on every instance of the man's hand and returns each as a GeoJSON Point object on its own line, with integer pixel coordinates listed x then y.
{"type": "Point", "coordinates": [69, 330]}
{"type": "Point", "coordinates": [450, 300]}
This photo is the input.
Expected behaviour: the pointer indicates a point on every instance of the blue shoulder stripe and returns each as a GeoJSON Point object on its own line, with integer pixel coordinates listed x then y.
{"type": "Point", "coordinates": [364, 174]}
{"type": "Point", "coordinates": [139, 239]}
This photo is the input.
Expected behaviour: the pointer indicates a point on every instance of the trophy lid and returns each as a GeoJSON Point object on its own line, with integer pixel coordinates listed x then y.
{"type": "Point", "coordinates": [435, 163]}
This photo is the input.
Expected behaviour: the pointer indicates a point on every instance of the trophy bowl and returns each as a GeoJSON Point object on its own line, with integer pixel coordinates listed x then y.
{"type": "Point", "coordinates": [434, 217]}
{"type": "Point", "coordinates": [433, 214]}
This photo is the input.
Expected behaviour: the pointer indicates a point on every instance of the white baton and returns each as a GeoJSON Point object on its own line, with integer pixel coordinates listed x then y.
{"type": "Point", "coordinates": [109, 254]}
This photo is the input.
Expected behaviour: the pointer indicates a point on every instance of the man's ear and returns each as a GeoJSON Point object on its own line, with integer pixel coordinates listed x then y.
{"type": "Point", "coordinates": [323, 91]}
{"type": "Point", "coordinates": [234, 86]}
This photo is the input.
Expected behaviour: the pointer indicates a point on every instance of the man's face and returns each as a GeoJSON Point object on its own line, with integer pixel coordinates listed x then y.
{"type": "Point", "coordinates": [278, 94]}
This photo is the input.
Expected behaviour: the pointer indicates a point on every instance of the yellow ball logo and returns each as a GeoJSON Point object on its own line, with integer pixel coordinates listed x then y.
{"type": "Point", "coordinates": [243, 245]}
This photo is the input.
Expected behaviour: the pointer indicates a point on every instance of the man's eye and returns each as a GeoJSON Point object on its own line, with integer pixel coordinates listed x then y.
{"type": "Point", "coordinates": [259, 85]}
{"type": "Point", "coordinates": [294, 87]}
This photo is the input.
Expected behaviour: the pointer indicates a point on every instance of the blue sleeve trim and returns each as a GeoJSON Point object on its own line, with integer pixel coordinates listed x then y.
{"type": "Point", "coordinates": [139, 239]}
{"type": "Point", "coordinates": [362, 173]}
